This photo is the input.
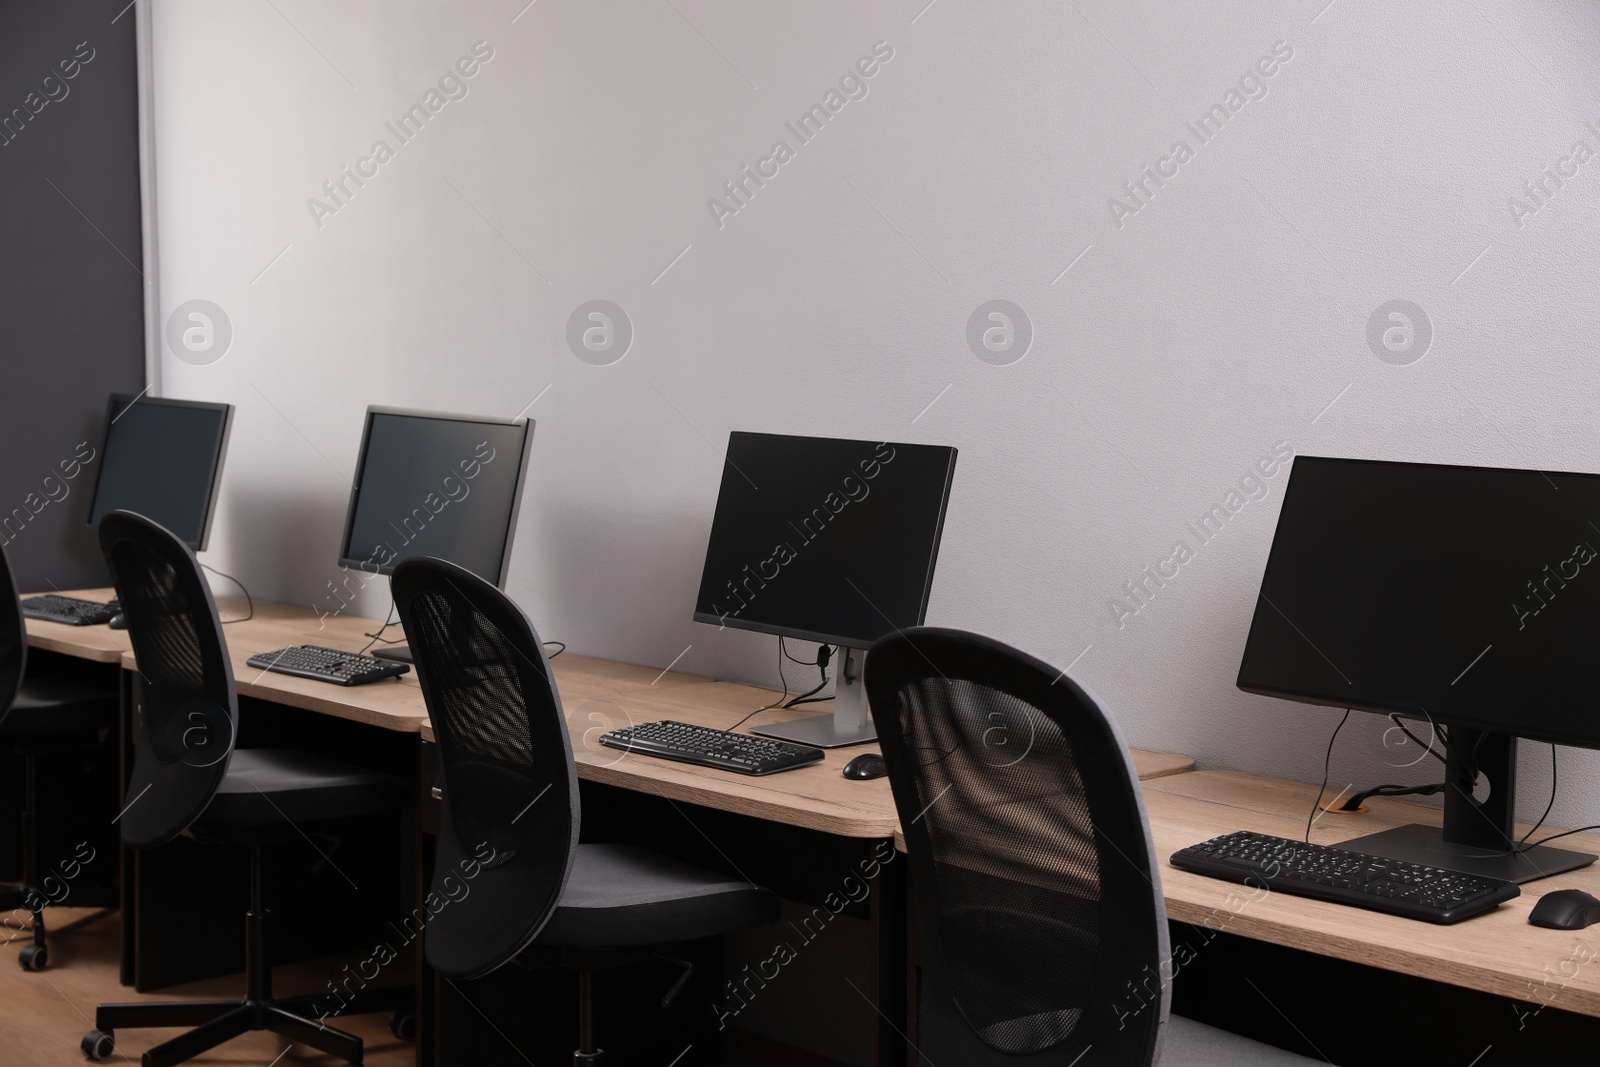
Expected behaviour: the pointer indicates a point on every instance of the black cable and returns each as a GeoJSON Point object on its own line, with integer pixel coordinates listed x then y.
{"type": "Point", "coordinates": [1355, 802]}
{"type": "Point", "coordinates": [775, 703]}
{"type": "Point", "coordinates": [824, 654]}
{"type": "Point", "coordinates": [378, 634]}
{"type": "Point", "coordinates": [1395, 718]}
{"type": "Point", "coordinates": [1522, 846]}
{"type": "Point", "coordinates": [1564, 833]}
{"type": "Point", "coordinates": [558, 651]}
{"type": "Point", "coordinates": [1327, 762]}
{"type": "Point", "coordinates": [249, 603]}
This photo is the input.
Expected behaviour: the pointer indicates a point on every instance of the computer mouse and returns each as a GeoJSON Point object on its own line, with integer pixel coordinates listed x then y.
{"type": "Point", "coordinates": [119, 621]}
{"type": "Point", "coordinates": [865, 767]}
{"type": "Point", "coordinates": [1566, 909]}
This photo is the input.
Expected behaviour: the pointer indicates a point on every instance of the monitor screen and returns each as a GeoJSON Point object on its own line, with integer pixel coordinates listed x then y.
{"type": "Point", "coordinates": [162, 459]}
{"type": "Point", "coordinates": [1467, 594]}
{"type": "Point", "coordinates": [823, 539]}
{"type": "Point", "coordinates": [436, 485]}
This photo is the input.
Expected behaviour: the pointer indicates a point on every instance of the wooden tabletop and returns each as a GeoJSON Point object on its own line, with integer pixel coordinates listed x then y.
{"type": "Point", "coordinates": [100, 643]}
{"type": "Point", "coordinates": [817, 797]}
{"type": "Point", "coordinates": [597, 695]}
{"type": "Point", "coordinates": [390, 705]}
{"type": "Point", "coordinates": [1496, 953]}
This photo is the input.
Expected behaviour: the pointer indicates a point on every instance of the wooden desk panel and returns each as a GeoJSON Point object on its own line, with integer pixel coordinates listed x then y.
{"type": "Point", "coordinates": [101, 644]}
{"type": "Point", "coordinates": [597, 695]}
{"type": "Point", "coordinates": [1497, 953]}
{"type": "Point", "coordinates": [818, 797]}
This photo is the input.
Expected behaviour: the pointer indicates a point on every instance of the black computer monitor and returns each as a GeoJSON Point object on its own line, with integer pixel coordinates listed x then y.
{"type": "Point", "coordinates": [163, 459]}
{"type": "Point", "coordinates": [825, 540]}
{"type": "Point", "coordinates": [1467, 598]}
{"type": "Point", "coordinates": [430, 484]}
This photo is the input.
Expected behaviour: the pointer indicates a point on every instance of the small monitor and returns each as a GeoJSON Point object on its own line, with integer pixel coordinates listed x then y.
{"type": "Point", "coordinates": [1465, 599]}
{"type": "Point", "coordinates": [429, 484]}
{"type": "Point", "coordinates": [162, 459]}
{"type": "Point", "coordinates": [825, 540]}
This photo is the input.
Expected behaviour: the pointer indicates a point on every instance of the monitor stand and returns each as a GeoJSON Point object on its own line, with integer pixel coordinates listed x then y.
{"type": "Point", "coordinates": [848, 725]}
{"type": "Point", "coordinates": [1478, 837]}
{"type": "Point", "coordinates": [401, 653]}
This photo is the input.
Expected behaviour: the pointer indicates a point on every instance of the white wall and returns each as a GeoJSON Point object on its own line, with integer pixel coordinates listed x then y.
{"type": "Point", "coordinates": [1225, 316]}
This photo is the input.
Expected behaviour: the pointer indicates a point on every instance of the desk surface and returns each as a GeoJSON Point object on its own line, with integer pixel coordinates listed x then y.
{"type": "Point", "coordinates": [1496, 953]}
{"type": "Point", "coordinates": [597, 695]}
{"type": "Point", "coordinates": [389, 705]}
{"type": "Point", "coordinates": [817, 797]}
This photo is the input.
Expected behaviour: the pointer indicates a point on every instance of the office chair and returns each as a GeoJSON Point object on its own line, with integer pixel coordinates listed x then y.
{"type": "Point", "coordinates": [511, 814]}
{"type": "Point", "coordinates": [40, 716]}
{"type": "Point", "coordinates": [1042, 926]}
{"type": "Point", "coordinates": [188, 778]}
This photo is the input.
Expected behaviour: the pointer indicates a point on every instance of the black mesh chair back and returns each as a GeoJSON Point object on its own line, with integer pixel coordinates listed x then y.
{"type": "Point", "coordinates": [1042, 924]}
{"type": "Point", "coordinates": [13, 638]}
{"type": "Point", "coordinates": [189, 715]}
{"type": "Point", "coordinates": [510, 823]}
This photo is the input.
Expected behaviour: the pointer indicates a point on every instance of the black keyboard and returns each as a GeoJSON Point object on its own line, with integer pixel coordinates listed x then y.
{"type": "Point", "coordinates": [328, 665]}
{"type": "Point", "coordinates": [1411, 890]}
{"type": "Point", "coordinates": [706, 747]}
{"type": "Point", "coordinates": [68, 609]}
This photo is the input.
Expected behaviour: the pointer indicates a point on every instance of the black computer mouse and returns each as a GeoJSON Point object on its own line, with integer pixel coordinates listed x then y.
{"type": "Point", "coordinates": [1566, 909]}
{"type": "Point", "coordinates": [865, 767]}
{"type": "Point", "coordinates": [119, 621]}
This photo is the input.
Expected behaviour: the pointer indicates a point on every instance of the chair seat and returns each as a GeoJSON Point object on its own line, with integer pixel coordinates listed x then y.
{"type": "Point", "coordinates": [276, 787]}
{"type": "Point", "coordinates": [622, 896]}
{"type": "Point", "coordinates": [1193, 1044]}
{"type": "Point", "coordinates": [56, 706]}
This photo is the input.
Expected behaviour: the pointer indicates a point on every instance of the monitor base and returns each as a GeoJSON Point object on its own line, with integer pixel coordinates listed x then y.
{"type": "Point", "coordinates": [851, 721]}
{"type": "Point", "coordinates": [1415, 843]}
{"type": "Point", "coordinates": [820, 731]}
{"type": "Point", "coordinates": [400, 653]}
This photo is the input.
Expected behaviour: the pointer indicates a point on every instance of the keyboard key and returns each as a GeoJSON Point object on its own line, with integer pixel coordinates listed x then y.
{"type": "Point", "coordinates": [328, 665]}
{"type": "Point", "coordinates": [1431, 894]}
{"type": "Point", "coordinates": [708, 747]}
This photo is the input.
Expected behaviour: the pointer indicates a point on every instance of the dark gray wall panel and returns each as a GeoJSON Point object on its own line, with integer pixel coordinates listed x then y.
{"type": "Point", "coordinates": [71, 291]}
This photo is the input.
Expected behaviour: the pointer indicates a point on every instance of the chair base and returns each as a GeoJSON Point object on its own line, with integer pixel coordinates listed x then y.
{"type": "Point", "coordinates": [35, 956]}
{"type": "Point", "coordinates": [218, 1021]}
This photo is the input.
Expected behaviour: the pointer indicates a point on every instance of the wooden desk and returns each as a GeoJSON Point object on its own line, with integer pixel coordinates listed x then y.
{"type": "Point", "coordinates": [391, 705]}
{"type": "Point", "coordinates": [844, 816]}
{"type": "Point", "coordinates": [598, 695]}
{"type": "Point", "coordinates": [177, 924]}
{"type": "Point", "coordinates": [817, 800]}
{"type": "Point", "coordinates": [1497, 953]}
{"type": "Point", "coordinates": [98, 644]}
{"type": "Point", "coordinates": [817, 797]}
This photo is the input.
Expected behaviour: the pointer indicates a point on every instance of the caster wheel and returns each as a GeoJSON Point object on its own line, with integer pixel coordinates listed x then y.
{"type": "Point", "coordinates": [98, 1044]}
{"type": "Point", "coordinates": [403, 1024]}
{"type": "Point", "coordinates": [33, 957]}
